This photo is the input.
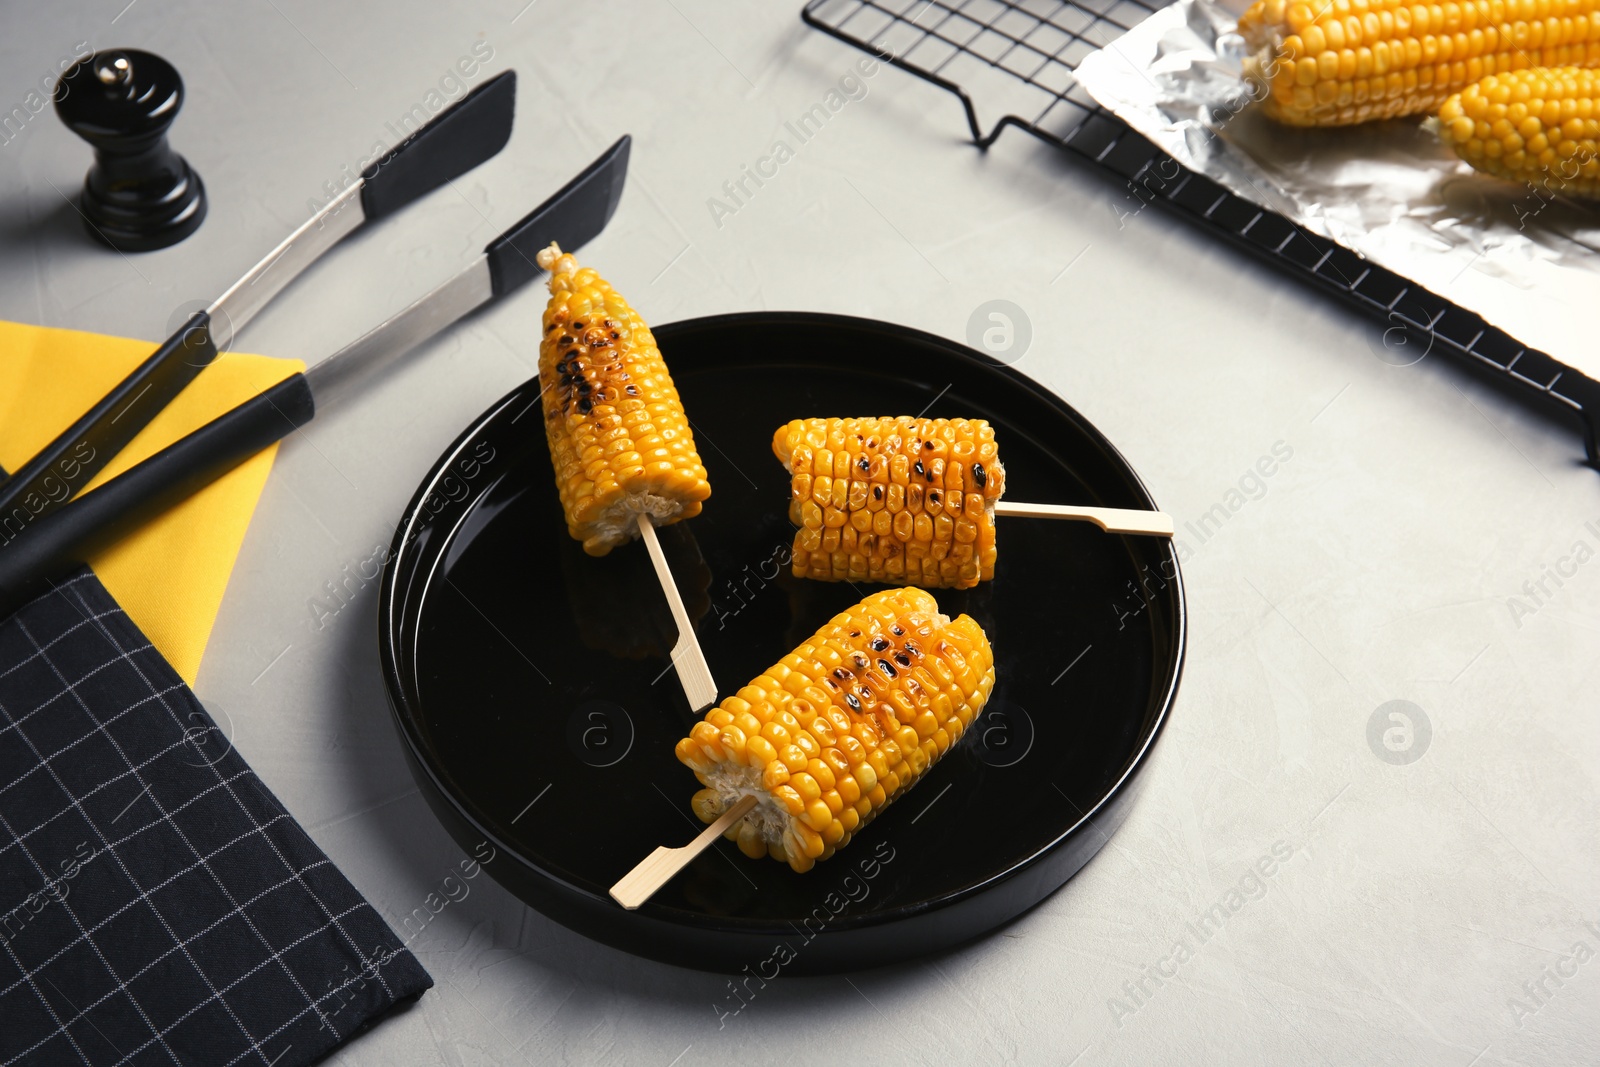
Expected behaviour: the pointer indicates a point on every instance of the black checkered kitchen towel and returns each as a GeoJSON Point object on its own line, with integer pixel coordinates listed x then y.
{"type": "Point", "coordinates": [157, 903]}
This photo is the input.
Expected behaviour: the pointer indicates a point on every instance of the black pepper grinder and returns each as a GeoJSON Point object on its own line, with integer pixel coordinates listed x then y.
{"type": "Point", "coordinates": [140, 195]}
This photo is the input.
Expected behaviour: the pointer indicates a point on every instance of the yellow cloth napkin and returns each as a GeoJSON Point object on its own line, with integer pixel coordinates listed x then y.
{"type": "Point", "coordinates": [169, 575]}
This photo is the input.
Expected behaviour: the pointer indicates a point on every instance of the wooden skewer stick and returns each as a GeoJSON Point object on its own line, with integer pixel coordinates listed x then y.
{"type": "Point", "coordinates": [657, 869]}
{"type": "Point", "coordinates": [694, 673]}
{"type": "Point", "coordinates": [1112, 520]}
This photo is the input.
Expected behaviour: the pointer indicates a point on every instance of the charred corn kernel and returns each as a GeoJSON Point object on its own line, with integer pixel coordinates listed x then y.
{"type": "Point", "coordinates": [1539, 126]}
{"type": "Point", "coordinates": [1329, 63]}
{"type": "Point", "coordinates": [619, 440]}
{"type": "Point", "coordinates": [925, 512]}
{"type": "Point", "coordinates": [837, 692]}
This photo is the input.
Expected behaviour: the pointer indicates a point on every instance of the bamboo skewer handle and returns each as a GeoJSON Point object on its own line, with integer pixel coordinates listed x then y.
{"type": "Point", "coordinates": [657, 869]}
{"type": "Point", "coordinates": [1112, 520]}
{"type": "Point", "coordinates": [694, 673]}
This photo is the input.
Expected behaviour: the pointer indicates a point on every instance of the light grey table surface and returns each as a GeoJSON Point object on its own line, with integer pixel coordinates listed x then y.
{"type": "Point", "coordinates": [1431, 911]}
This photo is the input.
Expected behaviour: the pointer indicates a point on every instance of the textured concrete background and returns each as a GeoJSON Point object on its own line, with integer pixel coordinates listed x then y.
{"type": "Point", "coordinates": [1440, 878]}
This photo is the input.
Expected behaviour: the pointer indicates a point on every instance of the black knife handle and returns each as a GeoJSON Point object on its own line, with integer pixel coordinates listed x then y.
{"type": "Point", "coordinates": [451, 143]}
{"type": "Point", "coordinates": [577, 212]}
{"type": "Point", "coordinates": [65, 539]}
{"type": "Point", "coordinates": [78, 453]}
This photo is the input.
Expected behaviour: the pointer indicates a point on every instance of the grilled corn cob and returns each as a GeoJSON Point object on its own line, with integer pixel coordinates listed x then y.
{"type": "Point", "coordinates": [841, 726]}
{"type": "Point", "coordinates": [898, 500]}
{"type": "Point", "coordinates": [1339, 62]}
{"type": "Point", "coordinates": [1540, 126]}
{"type": "Point", "coordinates": [619, 440]}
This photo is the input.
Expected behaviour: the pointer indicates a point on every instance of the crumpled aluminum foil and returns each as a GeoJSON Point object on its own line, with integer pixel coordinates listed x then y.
{"type": "Point", "coordinates": [1522, 259]}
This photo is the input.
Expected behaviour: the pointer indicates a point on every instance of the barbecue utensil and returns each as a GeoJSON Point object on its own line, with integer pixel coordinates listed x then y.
{"type": "Point", "coordinates": [452, 143]}
{"type": "Point", "coordinates": [65, 538]}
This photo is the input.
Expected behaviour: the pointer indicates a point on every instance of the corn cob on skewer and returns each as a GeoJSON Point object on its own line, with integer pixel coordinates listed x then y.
{"type": "Point", "coordinates": [898, 500]}
{"type": "Point", "coordinates": [1339, 62]}
{"type": "Point", "coordinates": [619, 440]}
{"type": "Point", "coordinates": [1540, 126]}
{"type": "Point", "coordinates": [840, 727]}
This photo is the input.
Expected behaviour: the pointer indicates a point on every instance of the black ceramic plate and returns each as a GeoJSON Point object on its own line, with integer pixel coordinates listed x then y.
{"type": "Point", "coordinates": [531, 685]}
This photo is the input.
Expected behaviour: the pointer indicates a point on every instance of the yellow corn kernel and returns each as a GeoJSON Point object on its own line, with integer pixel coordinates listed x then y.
{"type": "Point", "coordinates": [889, 660]}
{"type": "Point", "coordinates": [1335, 64]}
{"type": "Point", "coordinates": [1546, 138]}
{"type": "Point", "coordinates": [929, 473]}
{"type": "Point", "coordinates": [619, 440]}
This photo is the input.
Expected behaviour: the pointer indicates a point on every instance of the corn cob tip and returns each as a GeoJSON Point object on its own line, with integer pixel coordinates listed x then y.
{"type": "Point", "coordinates": [552, 259]}
{"type": "Point", "coordinates": [1537, 126]}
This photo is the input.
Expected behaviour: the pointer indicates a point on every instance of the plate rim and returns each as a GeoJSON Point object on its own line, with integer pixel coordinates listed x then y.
{"type": "Point", "coordinates": [403, 714]}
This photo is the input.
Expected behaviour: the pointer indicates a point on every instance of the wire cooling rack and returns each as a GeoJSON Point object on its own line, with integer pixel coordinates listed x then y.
{"type": "Point", "coordinates": [1011, 63]}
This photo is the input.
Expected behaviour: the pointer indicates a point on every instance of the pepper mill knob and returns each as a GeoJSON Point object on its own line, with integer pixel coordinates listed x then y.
{"type": "Point", "coordinates": [140, 195]}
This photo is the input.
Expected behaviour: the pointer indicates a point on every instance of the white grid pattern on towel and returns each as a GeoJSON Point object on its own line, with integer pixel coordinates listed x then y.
{"type": "Point", "coordinates": [74, 744]}
{"type": "Point", "coordinates": [327, 912]}
{"type": "Point", "coordinates": [121, 654]}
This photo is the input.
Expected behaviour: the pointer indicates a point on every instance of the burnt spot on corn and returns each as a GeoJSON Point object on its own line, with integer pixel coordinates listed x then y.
{"type": "Point", "coordinates": [877, 492]}
{"type": "Point", "coordinates": [933, 496]}
{"type": "Point", "coordinates": [880, 643]}
{"type": "Point", "coordinates": [861, 662]}
{"type": "Point", "coordinates": [902, 659]}
{"type": "Point", "coordinates": [980, 475]}
{"type": "Point", "coordinates": [862, 463]}
{"type": "Point", "coordinates": [895, 629]}
{"type": "Point", "coordinates": [921, 471]}
{"type": "Point", "coordinates": [842, 674]}
{"type": "Point", "coordinates": [877, 736]}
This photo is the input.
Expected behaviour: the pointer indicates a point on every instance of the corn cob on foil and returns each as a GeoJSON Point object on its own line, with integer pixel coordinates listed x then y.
{"type": "Point", "coordinates": [836, 730]}
{"type": "Point", "coordinates": [619, 440]}
{"type": "Point", "coordinates": [1539, 126]}
{"type": "Point", "coordinates": [899, 500]}
{"type": "Point", "coordinates": [1339, 62]}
